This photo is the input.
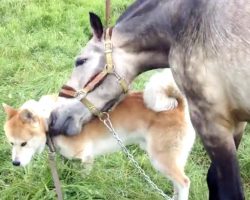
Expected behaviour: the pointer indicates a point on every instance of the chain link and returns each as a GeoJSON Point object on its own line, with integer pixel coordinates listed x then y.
{"type": "Point", "coordinates": [109, 125]}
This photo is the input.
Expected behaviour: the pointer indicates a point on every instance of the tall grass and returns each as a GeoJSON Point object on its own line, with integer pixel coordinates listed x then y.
{"type": "Point", "coordinates": [38, 42]}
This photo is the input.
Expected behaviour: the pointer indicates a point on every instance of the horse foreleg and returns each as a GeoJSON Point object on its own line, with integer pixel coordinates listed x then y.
{"type": "Point", "coordinates": [223, 176]}
{"type": "Point", "coordinates": [224, 169]}
{"type": "Point", "coordinates": [212, 182]}
{"type": "Point", "coordinates": [212, 177]}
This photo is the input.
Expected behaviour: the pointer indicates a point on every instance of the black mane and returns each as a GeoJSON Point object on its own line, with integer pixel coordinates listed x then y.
{"type": "Point", "coordinates": [138, 8]}
{"type": "Point", "coordinates": [154, 24]}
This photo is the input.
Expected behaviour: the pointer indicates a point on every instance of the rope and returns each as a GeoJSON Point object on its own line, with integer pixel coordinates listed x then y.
{"type": "Point", "coordinates": [108, 12]}
{"type": "Point", "coordinates": [52, 164]}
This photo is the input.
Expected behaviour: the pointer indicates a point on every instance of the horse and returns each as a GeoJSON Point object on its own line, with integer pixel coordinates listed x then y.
{"type": "Point", "coordinates": [207, 45]}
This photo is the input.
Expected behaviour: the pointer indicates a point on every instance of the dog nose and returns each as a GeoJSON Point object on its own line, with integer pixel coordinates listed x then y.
{"type": "Point", "coordinates": [16, 163]}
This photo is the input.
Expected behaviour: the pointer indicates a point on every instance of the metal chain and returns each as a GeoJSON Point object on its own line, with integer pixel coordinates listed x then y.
{"type": "Point", "coordinates": [109, 125]}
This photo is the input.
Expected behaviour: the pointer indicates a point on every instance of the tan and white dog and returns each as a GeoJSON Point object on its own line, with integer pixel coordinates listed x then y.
{"type": "Point", "coordinates": [158, 120]}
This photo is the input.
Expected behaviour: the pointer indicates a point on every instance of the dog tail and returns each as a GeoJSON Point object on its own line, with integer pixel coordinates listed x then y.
{"type": "Point", "coordinates": [161, 92]}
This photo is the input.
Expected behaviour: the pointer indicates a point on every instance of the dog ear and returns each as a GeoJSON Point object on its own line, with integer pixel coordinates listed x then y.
{"type": "Point", "coordinates": [27, 117]}
{"type": "Point", "coordinates": [96, 25]}
{"type": "Point", "coordinates": [9, 110]}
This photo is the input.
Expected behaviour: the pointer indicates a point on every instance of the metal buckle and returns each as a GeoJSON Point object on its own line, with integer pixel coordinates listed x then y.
{"type": "Point", "coordinates": [80, 94]}
{"type": "Point", "coordinates": [108, 51]}
{"type": "Point", "coordinates": [103, 116]}
{"type": "Point", "coordinates": [109, 68]}
{"type": "Point", "coordinates": [108, 45]}
{"type": "Point", "coordinates": [117, 75]}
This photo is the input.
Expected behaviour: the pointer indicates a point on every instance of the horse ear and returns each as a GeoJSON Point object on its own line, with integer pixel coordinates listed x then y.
{"type": "Point", "coordinates": [9, 110]}
{"type": "Point", "coordinates": [96, 25]}
{"type": "Point", "coordinates": [27, 117]}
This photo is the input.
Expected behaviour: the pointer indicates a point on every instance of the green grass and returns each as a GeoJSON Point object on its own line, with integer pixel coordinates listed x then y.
{"type": "Point", "coordinates": [38, 42]}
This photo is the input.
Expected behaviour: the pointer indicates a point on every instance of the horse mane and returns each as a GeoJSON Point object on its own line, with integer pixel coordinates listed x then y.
{"type": "Point", "coordinates": [148, 23]}
{"type": "Point", "coordinates": [137, 8]}
{"type": "Point", "coordinates": [156, 24]}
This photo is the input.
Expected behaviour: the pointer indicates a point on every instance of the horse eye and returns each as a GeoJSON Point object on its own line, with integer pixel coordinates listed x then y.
{"type": "Point", "coordinates": [80, 61]}
{"type": "Point", "coordinates": [23, 144]}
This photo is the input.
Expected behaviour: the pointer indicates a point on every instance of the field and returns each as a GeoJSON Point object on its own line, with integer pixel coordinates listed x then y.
{"type": "Point", "coordinates": [38, 42]}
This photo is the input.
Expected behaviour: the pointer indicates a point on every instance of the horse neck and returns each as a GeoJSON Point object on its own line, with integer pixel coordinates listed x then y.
{"type": "Point", "coordinates": [148, 29]}
{"type": "Point", "coordinates": [140, 45]}
{"type": "Point", "coordinates": [165, 20]}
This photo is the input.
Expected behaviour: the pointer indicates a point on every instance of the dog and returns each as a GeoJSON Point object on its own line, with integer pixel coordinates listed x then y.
{"type": "Point", "coordinates": [157, 119]}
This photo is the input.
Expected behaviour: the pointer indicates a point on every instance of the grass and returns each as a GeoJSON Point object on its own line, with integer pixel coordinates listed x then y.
{"type": "Point", "coordinates": [38, 43]}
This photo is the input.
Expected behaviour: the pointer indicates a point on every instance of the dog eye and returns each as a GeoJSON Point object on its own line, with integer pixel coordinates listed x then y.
{"type": "Point", "coordinates": [80, 61]}
{"type": "Point", "coordinates": [12, 143]}
{"type": "Point", "coordinates": [23, 144]}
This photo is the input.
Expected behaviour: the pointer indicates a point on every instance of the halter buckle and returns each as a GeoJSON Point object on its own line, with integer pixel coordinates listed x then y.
{"type": "Point", "coordinates": [108, 46]}
{"type": "Point", "coordinates": [117, 75]}
{"type": "Point", "coordinates": [103, 116]}
{"type": "Point", "coordinates": [80, 94]}
{"type": "Point", "coordinates": [109, 68]}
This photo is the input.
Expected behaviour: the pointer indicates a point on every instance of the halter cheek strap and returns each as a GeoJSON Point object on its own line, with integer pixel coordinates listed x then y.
{"type": "Point", "coordinates": [109, 68]}
{"type": "Point", "coordinates": [109, 61]}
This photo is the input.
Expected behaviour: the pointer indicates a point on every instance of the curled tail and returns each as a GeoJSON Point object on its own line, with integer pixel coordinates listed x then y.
{"type": "Point", "coordinates": [161, 92]}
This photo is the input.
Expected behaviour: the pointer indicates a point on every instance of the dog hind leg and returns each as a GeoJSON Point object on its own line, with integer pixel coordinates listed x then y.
{"type": "Point", "coordinates": [168, 166]}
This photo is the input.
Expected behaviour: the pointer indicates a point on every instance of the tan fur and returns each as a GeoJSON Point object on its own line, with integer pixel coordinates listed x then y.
{"type": "Point", "coordinates": [18, 128]}
{"type": "Point", "coordinates": [132, 115]}
{"type": "Point", "coordinates": [166, 135]}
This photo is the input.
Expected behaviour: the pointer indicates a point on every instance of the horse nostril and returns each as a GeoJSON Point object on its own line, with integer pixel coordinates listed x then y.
{"type": "Point", "coordinates": [52, 119]}
{"type": "Point", "coordinates": [52, 123]}
{"type": "Point", "coordinates": [16, 163]}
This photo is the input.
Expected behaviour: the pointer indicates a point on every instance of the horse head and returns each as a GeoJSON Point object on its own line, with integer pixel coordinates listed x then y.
{"type": "Point", "coordinates": [111, 59]}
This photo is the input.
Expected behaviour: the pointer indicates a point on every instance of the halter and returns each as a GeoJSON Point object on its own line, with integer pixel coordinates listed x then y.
{"type": "Point", "coordinates": [109, 68]}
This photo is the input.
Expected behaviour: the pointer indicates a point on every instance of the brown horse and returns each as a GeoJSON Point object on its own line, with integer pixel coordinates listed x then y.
{"type": "Point", "coordinates": [207, 45]}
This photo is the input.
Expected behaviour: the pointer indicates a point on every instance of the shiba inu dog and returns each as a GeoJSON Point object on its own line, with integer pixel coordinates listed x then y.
{"type": "Point", "coordinates": [157, 119]}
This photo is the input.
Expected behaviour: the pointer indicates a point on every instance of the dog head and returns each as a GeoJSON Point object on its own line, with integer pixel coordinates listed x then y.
{"type": "Point", "coordinates": [26, 132]}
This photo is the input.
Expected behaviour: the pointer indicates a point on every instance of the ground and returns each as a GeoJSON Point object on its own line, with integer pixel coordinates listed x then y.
{"type": "Point", "coordinates": [38, 42]}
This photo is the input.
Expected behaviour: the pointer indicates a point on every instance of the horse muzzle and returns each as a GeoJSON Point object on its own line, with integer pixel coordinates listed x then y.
{"type": "Point", "coordinates": [68, 119]}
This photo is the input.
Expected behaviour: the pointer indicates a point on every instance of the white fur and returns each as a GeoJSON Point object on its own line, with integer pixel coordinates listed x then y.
{"type": "Point", "coordinates": [155, 92]}
{"type": "Point", "coordinates": [43, 107]}
{"type": "Point", "coordinates": [24, 154]}
{"type": "Point", "coordinates": [104, 145]}
{"type": "Point", "coordinates": [32, 105]}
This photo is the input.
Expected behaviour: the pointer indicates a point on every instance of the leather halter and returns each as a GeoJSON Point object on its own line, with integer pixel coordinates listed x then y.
{"type": "Point", "coordinates": [109, 68]}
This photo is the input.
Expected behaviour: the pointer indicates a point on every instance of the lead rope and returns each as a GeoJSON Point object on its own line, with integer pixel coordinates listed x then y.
{"type": "Point", "coordinates": [52, 164]}
{"type": "Point", "coordinates": [108, 10]}
{"type": "Point", "coordinates": [107, 122]}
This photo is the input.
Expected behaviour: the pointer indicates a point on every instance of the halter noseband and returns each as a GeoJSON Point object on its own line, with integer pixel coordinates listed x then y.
{"type": "Point", "coordinates": [109, 68]}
